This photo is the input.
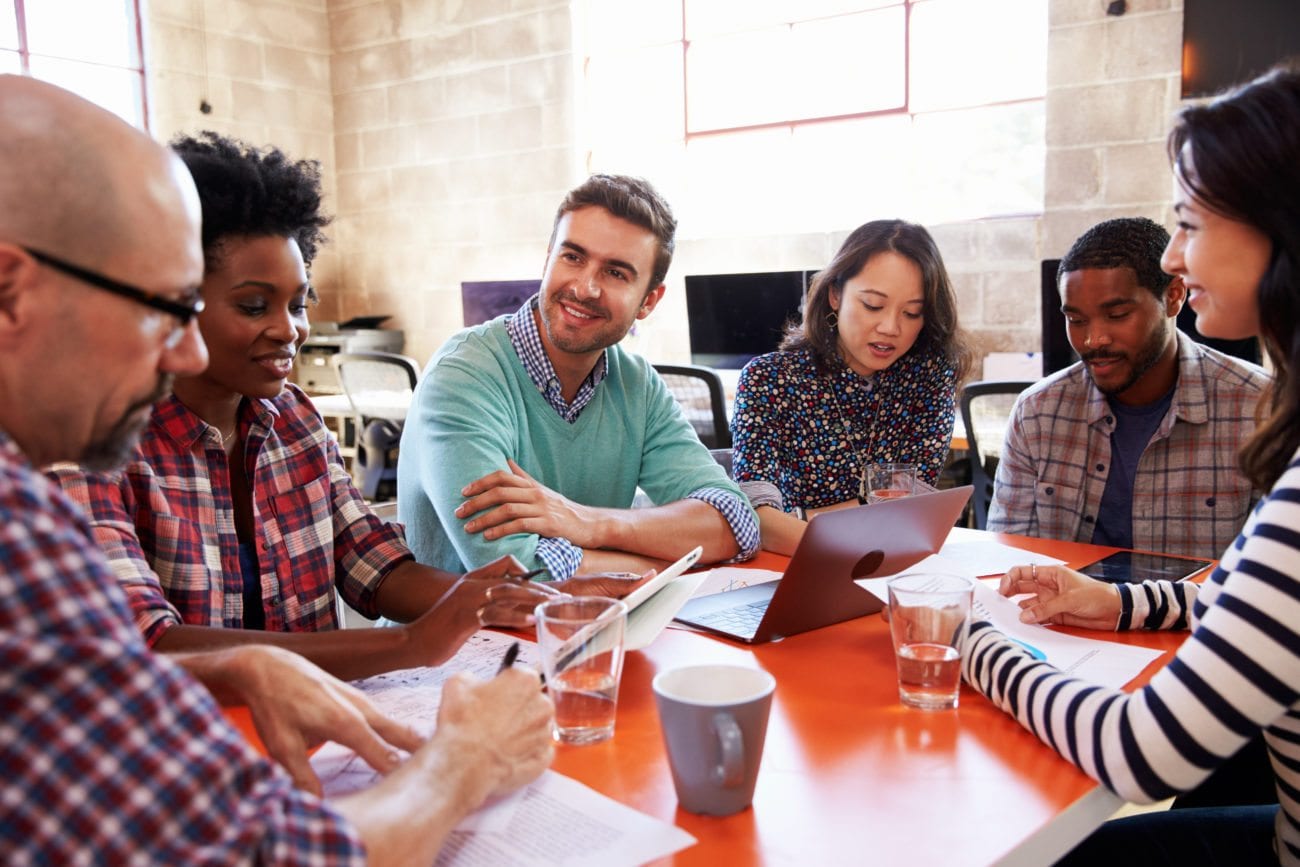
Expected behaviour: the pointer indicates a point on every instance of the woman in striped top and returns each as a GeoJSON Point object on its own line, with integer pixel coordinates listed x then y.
{"type": "Point", "coordinates": [1237, 247]}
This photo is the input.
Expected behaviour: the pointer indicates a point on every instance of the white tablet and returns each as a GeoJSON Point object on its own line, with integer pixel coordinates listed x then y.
{"type": "Point", "coordinates": [661, 580]}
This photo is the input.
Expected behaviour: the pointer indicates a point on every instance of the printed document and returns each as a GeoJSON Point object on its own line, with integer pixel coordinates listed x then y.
{"type": "Point", "coordinates": [1098, 661]}
{"type": "Point", "coordinates": [554, 820]}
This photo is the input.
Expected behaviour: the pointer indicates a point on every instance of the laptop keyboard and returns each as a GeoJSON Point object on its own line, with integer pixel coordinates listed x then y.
{"type": "Point", "coordinates": [741, 620]}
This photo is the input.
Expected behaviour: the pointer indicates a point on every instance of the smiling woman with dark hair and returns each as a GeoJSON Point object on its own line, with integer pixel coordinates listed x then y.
{"type": "Point", "coordinates": [1237, 249]}
{"type": "Point", "coordinates": [869, 376]}
{"type": "Point", "coordinates": [236, 520]}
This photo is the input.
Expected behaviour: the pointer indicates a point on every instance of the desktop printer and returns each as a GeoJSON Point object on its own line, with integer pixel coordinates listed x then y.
{"type": "Point", "coordinates": [314, 372]}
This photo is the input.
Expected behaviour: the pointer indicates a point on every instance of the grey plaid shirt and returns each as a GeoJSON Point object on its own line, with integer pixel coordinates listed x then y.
{"type": "Point", "coordinates": [1189, 497]}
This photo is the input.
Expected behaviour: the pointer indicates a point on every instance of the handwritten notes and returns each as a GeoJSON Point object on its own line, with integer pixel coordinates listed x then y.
{"type": "Point", "coordinates": [554, 820]}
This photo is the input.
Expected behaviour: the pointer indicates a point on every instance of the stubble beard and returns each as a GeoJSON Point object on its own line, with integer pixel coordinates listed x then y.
{"type": "Point", "coordinates": [1146, 358]}
{"type": "Point", "coordinates": [114, 448]}
{"type": "Point", "coordinates": [602, 338]}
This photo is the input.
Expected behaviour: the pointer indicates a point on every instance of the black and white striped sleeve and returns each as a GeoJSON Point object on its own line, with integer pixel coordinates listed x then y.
{"type": "Point", "coordinates": [1237, 673]}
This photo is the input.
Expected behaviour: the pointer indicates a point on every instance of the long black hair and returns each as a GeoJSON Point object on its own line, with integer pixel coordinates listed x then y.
{"type": "Point", "coordinates": [1240, 156]}
{"type": "Point", "coordinates": [940, 333]}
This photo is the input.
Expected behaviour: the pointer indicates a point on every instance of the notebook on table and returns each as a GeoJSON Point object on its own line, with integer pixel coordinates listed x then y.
{"type": "Point", "coordinates": [838, 547]}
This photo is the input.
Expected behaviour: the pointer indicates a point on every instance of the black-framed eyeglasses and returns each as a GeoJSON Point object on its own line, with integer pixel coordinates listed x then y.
{"type": "Point", "coordinates": [183, 311]}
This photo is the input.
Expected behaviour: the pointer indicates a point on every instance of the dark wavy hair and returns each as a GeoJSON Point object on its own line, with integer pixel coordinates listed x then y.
{"type": "Point", "coordinates": [1239, 155]}
{"type": "Point", "coordinates": [1127, 242]}
{"type": "Point", "coordinates": [631, 199]}
{"type": "Point", "coordinates": [249, 191]}
{"type": "Point", "coordinates": [940, 334]}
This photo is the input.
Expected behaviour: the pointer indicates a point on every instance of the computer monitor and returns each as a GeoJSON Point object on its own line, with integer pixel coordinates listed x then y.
{"type": "Point", "coordinates": [483, 300]}
{"type": "Point", "coordinates": [734, 317]}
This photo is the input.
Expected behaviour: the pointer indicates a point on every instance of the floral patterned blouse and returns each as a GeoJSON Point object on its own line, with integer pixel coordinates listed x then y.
{"type": "Point", "coordinates": [810, 435]}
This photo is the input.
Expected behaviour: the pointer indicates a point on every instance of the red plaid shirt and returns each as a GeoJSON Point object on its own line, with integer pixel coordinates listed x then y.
{"type": "Point", "coordinates": [167, 521]}
{"type": "Point", "coordinates": [110, 753]}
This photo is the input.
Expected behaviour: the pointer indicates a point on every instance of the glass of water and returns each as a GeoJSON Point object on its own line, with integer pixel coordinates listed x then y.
{"type": "Point", "coordinates": [580, 640]}
{"type": "Point", "coordinates": [887, 482]}
{"type": "Point", "coordinates": [928, 616]}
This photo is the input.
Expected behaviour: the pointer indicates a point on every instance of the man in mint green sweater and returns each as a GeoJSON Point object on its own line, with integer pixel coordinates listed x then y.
{"type": "Point", "coordinates": [529, 435]}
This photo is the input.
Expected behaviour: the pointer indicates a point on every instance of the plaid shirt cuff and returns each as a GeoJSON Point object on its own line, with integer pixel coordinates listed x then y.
{"type": "Point", "coordinates": [560, 557]}
{"type": "Point", "coordinates": [739, 516]}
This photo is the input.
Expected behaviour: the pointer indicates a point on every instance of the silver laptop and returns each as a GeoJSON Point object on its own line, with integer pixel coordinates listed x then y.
{"type": "Point", "coordinates": [817, 588]}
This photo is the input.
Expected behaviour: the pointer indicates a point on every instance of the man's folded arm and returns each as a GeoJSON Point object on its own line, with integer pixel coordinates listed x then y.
{"type": "Point", "coordinates": [459, 442]}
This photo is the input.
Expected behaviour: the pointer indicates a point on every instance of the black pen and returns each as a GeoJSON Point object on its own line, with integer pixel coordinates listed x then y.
{"type": "Point", "coordinates": [528, 576]}
{"type": "Point", "coordinates": [512, 653]}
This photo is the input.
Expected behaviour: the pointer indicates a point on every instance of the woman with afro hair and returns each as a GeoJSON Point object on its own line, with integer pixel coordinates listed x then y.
{"type": "Point", "coordinates": [236, 521]}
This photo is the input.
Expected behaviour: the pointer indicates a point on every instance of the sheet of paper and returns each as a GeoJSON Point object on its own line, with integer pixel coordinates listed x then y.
{"type": "Point", "coordinates": [553, 820]}
{"type": "Point", "coordinates": [723, 578]}
{"type": "Point", "coordinates": [650, 617]}
{"type": "Point", "coordinates": [993, 558]}
{"type": "Point", "coordinates": [1098, 661]}
{"type": "Point", "coordinates": [557, 820]}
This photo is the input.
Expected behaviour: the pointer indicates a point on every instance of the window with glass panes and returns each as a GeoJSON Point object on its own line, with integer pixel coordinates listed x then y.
{"type": "Point", "coordinates": [91, 47]}
{"type": "Point", "coordinates": [809, 115]}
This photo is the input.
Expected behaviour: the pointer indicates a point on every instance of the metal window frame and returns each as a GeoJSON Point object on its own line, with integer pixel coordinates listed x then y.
{"type": "Point", "coordinates": [24, 53]}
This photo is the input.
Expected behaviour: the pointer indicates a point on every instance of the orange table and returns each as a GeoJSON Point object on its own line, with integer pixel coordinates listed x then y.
{"type": "Point", "coordinates": [848, 774]}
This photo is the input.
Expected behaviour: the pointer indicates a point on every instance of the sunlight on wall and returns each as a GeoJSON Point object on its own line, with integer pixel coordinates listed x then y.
{"type": "Point", "coordinates": [829, 134]}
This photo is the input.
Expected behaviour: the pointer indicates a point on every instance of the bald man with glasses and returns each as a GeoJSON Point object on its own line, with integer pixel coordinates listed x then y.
{"type": "Point", "coordinates": [111, 754]}
{"type": "Point", "coordinates": [182, 311]}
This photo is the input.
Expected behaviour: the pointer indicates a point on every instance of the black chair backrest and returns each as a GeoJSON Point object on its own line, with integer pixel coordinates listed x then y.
{"type": "Point", "coordinates": [985, 409]}
{"type": "Point", "coordinates": [699, 392]}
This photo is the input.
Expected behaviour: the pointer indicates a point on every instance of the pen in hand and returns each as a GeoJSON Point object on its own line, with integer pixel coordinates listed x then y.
{"type": "Point", "coordinates": [512, 653]}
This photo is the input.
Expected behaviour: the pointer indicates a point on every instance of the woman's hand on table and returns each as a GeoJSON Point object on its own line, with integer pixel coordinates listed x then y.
{"type": "Point", "coordinates": [1059, 595]}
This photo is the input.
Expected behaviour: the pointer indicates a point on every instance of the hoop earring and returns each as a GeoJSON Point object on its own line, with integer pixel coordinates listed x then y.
{"type": "Point", "coordinates": [833, 320]}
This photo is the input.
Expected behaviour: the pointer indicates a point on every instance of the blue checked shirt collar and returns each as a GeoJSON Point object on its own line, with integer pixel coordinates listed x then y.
{"type": "Point", "coordinates": [527, 341]}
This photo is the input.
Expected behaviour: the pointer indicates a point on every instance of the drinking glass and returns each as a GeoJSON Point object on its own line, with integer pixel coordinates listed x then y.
{"type": "Point", "coordinates": [888, 481]}
{"type": "Point", "coordinates": [928, 615]}
{"type": "Point", "coordinates": [580, 640]}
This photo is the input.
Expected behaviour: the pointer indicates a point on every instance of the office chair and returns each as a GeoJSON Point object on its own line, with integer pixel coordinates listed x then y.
{"type": "Point", "coordinates": [985, 409]}
{"type": "Point", "coordinates": [379, 387]}
{"type": "Point", "coordinates": [724, 459]}
{"type": "Point", "coordinates": [699, 392]}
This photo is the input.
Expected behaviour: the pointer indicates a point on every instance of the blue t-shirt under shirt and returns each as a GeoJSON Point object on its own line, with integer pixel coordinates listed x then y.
{"type": "Point", "coordinates": [1134, 427]}
{"type": "Point", "coordinates": [254, 616]}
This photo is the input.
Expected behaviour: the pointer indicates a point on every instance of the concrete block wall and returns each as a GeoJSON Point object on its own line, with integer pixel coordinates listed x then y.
{"type": "Point", "coordinates": [454, 134]}
{"type": "Point", "coordinates": [1113, 87]}
{"type": "Point", "coordinates": [264, 68]}
{"type": "Point", "coordinates": [448, 133]}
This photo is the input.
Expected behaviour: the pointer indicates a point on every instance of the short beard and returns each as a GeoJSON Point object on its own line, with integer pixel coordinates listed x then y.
{"type": "Point", "coordinates": [1145, 359]}
{"type": "Point", "coordinates": [597, 342]}
{"type": "Point", "coordinates": [114, 448]}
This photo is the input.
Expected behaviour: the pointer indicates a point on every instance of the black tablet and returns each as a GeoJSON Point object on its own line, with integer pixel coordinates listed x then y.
{"type": "Point", "coordinates": [1132, 567]}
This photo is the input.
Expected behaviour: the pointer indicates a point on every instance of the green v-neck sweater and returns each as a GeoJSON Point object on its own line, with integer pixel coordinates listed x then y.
{"type": "Point", "coordinates": [475, 407]}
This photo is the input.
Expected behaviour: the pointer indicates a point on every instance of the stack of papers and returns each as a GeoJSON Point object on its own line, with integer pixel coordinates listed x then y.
{"type": "Point", "coordinates": [553, 820]}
